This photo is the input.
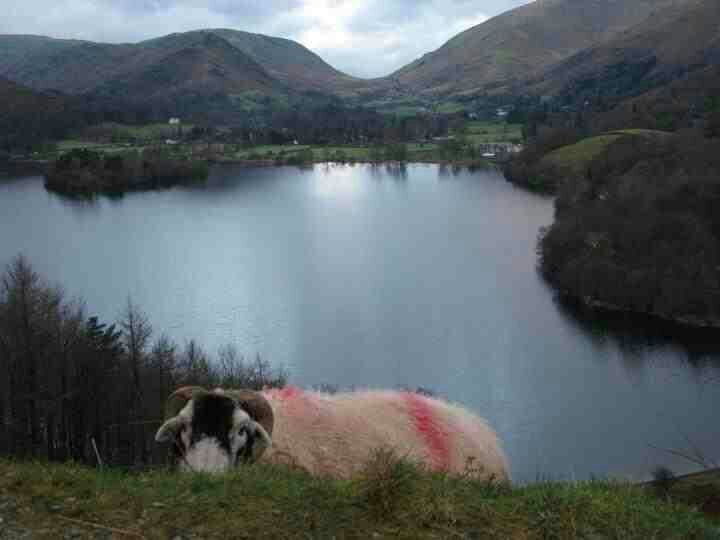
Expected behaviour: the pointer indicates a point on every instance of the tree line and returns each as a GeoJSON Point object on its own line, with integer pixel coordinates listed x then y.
{"type": "Point", "coordinates": [83, 171]}
{"type": "Point", "coordinates": [640, 230]}
{"type": "Point", "coordinates": [77, 388]}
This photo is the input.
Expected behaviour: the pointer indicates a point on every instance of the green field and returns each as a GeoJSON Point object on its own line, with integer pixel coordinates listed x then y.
{"type": "Point", "coordinates": [449, 107]}
{"type": "Point", "coordinates": [122, 133]}
{"type": "Point", "coordinates": [576, 157]}
{"type": "Point", "coordinates": [479, 132]}
{"type": "Point", "coordinates": [473, 133]}
{"type": "Point", "coordinates": [68, 145]}
{"type": "Point", "coordinates": [390, 499]}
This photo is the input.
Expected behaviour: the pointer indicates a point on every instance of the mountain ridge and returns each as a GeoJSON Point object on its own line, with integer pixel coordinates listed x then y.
{"type": "Point", "coordinates": [508, 47]}
{"type": "Point", "coordinates": [679, 40]}
{"type": "Point", "coordinates": [530, 49]}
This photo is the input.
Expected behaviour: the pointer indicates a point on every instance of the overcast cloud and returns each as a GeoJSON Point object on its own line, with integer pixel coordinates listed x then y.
{"type": "Point", "coordinates": [362, 37]}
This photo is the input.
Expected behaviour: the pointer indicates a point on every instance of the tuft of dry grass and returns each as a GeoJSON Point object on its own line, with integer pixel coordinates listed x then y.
{"type": "Point", "coordinates": [386, 482]}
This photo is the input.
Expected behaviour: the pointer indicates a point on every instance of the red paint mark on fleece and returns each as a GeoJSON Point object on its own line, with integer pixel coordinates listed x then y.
{"type": "Point", "coordinates": [421, 412]}
{"type": "Point", "coordinates": [289, 392]}
{"type": "Point", "coordinates": [293, 396]}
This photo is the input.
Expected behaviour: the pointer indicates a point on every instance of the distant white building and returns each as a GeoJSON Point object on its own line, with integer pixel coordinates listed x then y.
{"type": "Point", "coordinates": [174, 121]}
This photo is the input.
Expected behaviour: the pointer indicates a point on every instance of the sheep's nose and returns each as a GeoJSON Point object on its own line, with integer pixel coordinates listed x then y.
{"type": "Point", "coordinates": [207, 456]}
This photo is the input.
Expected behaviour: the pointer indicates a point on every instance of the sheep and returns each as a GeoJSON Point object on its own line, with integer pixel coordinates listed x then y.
{"type": "Point", "coordinates": [332, 435]}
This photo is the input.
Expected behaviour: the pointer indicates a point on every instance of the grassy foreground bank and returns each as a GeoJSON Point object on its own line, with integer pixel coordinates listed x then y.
{"type": "Point", "coordinates": [390, 500]}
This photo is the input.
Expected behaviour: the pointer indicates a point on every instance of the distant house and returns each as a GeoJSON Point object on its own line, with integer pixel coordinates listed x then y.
{"type": "Point", "coordinates": [174, 121]}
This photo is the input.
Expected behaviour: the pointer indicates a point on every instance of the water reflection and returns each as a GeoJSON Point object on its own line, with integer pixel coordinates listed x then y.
{"type": "Point", "coordinates": [447, 170]}
{"type": "Point", "coordinates": [637, 336]}
{"type": "Point", "coordinates": [396, 171]}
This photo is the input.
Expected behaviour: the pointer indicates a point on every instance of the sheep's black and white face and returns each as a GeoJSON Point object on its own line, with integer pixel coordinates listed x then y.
{"type": "Point", "coordinates": [213, 434]}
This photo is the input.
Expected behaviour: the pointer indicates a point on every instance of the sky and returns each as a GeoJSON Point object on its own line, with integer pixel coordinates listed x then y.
{"type": "Point", "coordinates": [365, 38]}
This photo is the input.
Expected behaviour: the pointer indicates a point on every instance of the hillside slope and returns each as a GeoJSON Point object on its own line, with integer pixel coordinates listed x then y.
{"type": "Point", "coordinates": [551, 43]}
{"type": "Point", "coordinates": [28, 118]}
{"type": "Point", "coordinates": [82, 67]}
{"type": "Point", "coordinates": [205, 67]}
{"type": "Point", "coordinates": [667, 46]}
{"type": "Point", "coordinates": [519, 42]}
{"type": "Point", "coordinates": [290, 62]}
{"type": "Point", "coordinates": [17, 49]}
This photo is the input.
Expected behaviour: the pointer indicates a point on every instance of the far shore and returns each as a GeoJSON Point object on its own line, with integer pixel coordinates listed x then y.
{"type": "Point", "coordinates": [40, 166]}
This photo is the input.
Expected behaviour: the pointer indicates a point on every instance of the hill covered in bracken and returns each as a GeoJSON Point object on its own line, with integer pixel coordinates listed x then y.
{"type": "Point", "coordinates": [27, 116]}
{"type": "Point", "coordinates": [672, 44]}
{"type": "Point", "coordinates": [503, 51]}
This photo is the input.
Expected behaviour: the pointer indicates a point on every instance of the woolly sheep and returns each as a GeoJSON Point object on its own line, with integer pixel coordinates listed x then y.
{"type": "Point", "coordinates": [325, 434]}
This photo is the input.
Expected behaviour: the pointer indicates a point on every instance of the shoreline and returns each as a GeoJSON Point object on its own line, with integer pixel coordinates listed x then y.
{"type": "Point", "coordinates": [42, 165]}
{"type": "Point", "coordinates": [280, 163]}
{"type": "Point", "coordinates": [686, 321]}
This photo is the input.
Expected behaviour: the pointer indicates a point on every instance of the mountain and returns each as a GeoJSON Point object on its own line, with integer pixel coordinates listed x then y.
{"type": "Point", "coordinates": [85, 66]}
{"type": "Point", "coordinates": [28, 118]}
{"type": "Point", "coordinates": [82, 67]}
{"type": "Point", "coordinates": [17, 49]}
{"type": "Point", "coordinates": [20, 99]}
{"type": "Point", "coordinates": [207, 66]}
{"type": "Point", "coordinates": [522, 41]}
{"type": "Point", "coordinates": [289, 62]}
{"type": "Point", "coordinates": [670, 45]}
{"type": "Point", "coordinates": [544, 47]}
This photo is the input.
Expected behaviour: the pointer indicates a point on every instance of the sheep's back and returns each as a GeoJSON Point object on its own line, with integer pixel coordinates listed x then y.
{"type": "Point", "coordinates": [337, 434]}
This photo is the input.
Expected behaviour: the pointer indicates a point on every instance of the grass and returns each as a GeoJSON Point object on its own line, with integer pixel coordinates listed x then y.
{"type": "Point", "coordinates": [644, 132]}
{"type": "Point", "coordinates": [450, 107]}
{"type": "Point", "coordinates": [68, 145]}
{"type": "Point", "coordinates": [576, 157]}
{"type": "Point", "coordinates": [475, 132]}
{"type": "Point", "coordinates": [480, 132]}
{"type": "Point", "coordinates": [147, 132]}
{"type": "Point", "coordinates": [699, 490]}
{"type": "Point", "coordinates": [416, 152]}
{"type": "Point", "coordinates": [390, 499]}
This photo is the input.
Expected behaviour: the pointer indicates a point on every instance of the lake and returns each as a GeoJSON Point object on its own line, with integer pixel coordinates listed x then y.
{"type": "Point", "coordinates": [366, 276]}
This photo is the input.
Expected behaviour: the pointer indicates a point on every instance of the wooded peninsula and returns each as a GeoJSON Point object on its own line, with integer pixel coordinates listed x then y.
{"type": "Point", "coordinates": [86, 172]}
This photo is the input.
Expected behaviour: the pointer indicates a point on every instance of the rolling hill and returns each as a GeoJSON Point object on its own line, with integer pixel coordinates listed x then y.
{"type": "Point", "coordinates": [15, 50]}
{"type": "Point", "coordinates": [207, 66]}
{"type": "Point", "coordinates": [28, 117]}
{"type": "Point", "coordinates": [509, 47]}
{"type": "Point", "coordinates": [83, 67]}
{"type": "Point", "coordinates": [672, 45]}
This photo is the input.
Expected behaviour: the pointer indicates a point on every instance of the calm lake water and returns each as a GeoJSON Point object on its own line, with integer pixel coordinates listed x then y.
{"type": "Point", "coordinates": [372, 277]}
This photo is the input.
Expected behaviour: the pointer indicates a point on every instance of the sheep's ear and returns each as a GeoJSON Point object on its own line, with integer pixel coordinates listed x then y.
{"type": "Point", "coordinates": [261, 443]}
{"type": "Point", "coordinates": [169, 430]}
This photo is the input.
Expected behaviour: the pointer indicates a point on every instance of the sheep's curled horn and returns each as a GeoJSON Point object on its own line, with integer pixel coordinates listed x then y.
{"type": "Point", "coordinates": [251, 402]}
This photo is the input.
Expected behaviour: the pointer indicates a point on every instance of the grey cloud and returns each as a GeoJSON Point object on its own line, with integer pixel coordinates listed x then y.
{"type": "Point", "coordinates": [362, 37]}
